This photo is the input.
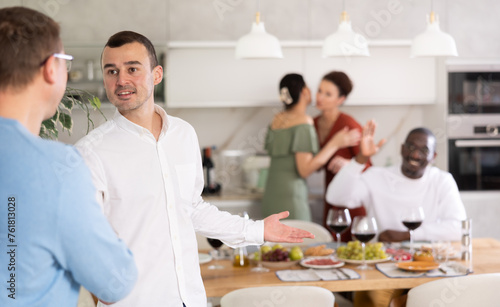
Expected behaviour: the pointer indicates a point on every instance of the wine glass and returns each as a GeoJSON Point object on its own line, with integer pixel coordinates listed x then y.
{"type": "Point", "coordinates": [412, 219]}
{"type": "Point", "coordinates": [364, 228]}
{"type": "Point", "coordinates": [216, 244]}
{"type": "Point", "coordinates": [338, 220]}
{"type": "Point", "coordinates": [259, 268]}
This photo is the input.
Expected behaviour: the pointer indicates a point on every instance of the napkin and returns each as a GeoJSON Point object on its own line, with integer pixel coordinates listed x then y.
{"type": "Point", "coordinates": [390, 269]}
{"type": "Point", "coordinates": [315, 275]}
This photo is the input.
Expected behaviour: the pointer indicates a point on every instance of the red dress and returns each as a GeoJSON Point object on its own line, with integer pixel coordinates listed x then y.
{"type": "Point", "coordinates": [347, 153]}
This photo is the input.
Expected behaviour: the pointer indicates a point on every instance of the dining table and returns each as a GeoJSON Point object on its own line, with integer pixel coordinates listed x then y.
{"type": "Point", "coordinates": [485, 259]}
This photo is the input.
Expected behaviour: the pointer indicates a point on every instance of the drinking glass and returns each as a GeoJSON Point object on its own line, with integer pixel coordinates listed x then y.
{"type": "Point", "coordinates": [412, 219]}
{"type": "Point", "coordinates": [364, 228]}
{"type": "Point", "coordinates": [216, 244]}
{"type": "Point", "coordinates": [338, 220]}
{"type": "Point", "coordinates": [259, 268]}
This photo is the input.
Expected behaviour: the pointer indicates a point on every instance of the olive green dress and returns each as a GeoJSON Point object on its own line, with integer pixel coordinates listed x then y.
{"type": "Point", "coordinates": [285, 189]}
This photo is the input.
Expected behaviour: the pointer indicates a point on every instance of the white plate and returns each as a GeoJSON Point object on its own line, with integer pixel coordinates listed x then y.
{"type": "Point", "coordinates": [304, 263]}
{"type": "Point", "coordinates": [367, 261]}
{"type": "Point", "coordinates": [204, 258]}
{"type": "Point", "coordinates": [416, 245]}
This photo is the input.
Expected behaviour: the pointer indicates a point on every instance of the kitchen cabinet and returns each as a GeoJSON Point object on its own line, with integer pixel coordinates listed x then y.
{"type": "Point", "coordinates": [202, 74]}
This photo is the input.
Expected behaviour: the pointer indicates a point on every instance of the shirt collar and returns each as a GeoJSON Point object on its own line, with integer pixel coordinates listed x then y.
{"type": "Point", "coordinates": [131, 127]}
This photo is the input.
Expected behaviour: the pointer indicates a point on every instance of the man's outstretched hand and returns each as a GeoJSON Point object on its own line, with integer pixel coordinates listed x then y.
{"type": "Point", "coordinates": [275, 231]}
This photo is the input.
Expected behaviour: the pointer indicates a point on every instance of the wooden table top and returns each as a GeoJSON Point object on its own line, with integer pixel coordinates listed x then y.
{"type": "Point", "coordinates": [486, 259]}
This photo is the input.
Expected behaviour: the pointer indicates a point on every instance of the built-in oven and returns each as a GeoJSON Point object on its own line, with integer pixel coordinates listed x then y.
{"type": "Point", "coordinates": [474, 152]}
{"type": "Point", "coordinates": [473, 127]}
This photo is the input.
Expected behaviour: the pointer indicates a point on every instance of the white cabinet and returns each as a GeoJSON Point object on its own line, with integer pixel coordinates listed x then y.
{"type": "Point", "coordinates": [208, 75]}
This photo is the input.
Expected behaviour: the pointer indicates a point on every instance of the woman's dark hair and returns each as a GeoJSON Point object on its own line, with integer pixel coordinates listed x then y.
{"type": "Point", "coordinates": [341, 80]}
{"type": "Point", "coordinates": [294, 83]}
{"type": "Point", "coordinates": [126, 37]}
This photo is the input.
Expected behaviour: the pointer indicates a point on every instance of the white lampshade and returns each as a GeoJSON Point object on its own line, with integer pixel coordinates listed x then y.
{"type": "Point", "coordinates": [433, 41]}
{"type": "Point", "coordinates": [258, 44]}
{"type": "Point", "coordinates": [345, 42]}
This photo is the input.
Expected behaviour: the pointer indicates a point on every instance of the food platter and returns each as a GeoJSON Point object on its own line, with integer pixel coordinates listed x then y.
{"type": "Point", "coordinates": [351, 261]}
{"type": "Point", "coordinates": [417, 266]}
{"type": "Point", "coordinates": [204, 258]}
{"type": "Point", "coordinates": [321, 263]}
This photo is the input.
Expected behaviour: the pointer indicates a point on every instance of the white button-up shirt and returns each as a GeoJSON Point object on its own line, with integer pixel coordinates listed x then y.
{"type": "Point", "coordinates": [150, 192]}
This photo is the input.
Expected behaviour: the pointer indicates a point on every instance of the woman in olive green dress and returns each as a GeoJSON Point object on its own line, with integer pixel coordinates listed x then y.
{"type": "Point", "coordinates": [292, 144]}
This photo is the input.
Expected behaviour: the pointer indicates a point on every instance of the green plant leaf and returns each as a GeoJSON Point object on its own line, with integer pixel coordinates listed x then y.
{"type": "Point", "coordinates": [66, 121]}
{"type": "Point", "coordinates": [50, 124]}
{"type": "Point", "coordinates": [96, 103]}
{"type": "Point", "coordinates": [68, 103]}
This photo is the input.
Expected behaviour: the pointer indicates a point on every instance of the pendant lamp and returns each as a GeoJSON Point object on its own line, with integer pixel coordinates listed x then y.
{"type": "Point", "coordinates": [258, 44]}
{"type": "Point", "coordinates": [345, 42]}
{"type": "Point", "coordinates": [433, 41]}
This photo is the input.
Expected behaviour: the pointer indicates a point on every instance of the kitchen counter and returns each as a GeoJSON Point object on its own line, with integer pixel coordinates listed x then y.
{"type": "Point", "coordinates": [247, 195]}
{"type": "Point", "coordinates": [250, 201]}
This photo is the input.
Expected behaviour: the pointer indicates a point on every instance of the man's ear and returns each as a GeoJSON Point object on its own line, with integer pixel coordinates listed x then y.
{"type": "Point", "coordinates": [158, 74]}
{"type": "Point", "coordinates": [49, 70]}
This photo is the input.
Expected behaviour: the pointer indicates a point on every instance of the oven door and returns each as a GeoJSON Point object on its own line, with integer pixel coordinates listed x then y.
{"type": "Point", "coordinates": [475, 163]}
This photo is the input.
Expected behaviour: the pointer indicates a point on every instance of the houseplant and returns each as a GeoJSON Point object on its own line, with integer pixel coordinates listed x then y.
{"type": "Point", "coordinates": [62, 121]}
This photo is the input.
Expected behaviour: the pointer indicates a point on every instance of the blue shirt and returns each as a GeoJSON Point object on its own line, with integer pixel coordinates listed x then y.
{"type": "Point", "coordinates": [53, 235]}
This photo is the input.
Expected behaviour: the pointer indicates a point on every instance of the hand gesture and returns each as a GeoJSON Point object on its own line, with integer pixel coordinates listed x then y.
{"type": "Point", "coordinates": [367, 145]}
{"type": "Point", "coordinates": [275, 231]}
{"type": "Point", "coordinates": [345, 138]}
{"type": "Point", "coordinates": [336, 164]}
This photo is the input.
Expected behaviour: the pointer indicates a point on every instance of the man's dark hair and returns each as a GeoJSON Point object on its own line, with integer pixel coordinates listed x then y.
{"type": "Point", "coordinates": [27, 39]}
{"type": "Point", "coordinates": [422, 130]}
{"type": "Point", "coordinates": [126, 37]}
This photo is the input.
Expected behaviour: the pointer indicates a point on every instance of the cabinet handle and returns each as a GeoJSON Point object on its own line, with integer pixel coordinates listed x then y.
{"type": "Point", "coordinates": [477, 143]}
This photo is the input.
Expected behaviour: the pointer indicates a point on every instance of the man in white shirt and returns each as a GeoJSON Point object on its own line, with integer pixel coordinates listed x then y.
{"type": "Point", "coordinates": [147, 169]}
{"type": "Point", "coordinates": [387, 191]}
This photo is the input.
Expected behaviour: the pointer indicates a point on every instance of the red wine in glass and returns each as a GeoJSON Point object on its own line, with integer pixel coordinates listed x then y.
{"type": "Point", "coordinates": [412, 225]}
{"type": "Point", "coordinates": [338, 220]}
{"type": "Point", "coordinates": [412, 219]}
{"type": "Point", "coordinates": [216, 244]}
{"type": "Point", "coordinates": [364, 228]}
{"type": "Point", "coordinates": [364, 237]}
{"type": "Point", "coordinates": [338, 228]}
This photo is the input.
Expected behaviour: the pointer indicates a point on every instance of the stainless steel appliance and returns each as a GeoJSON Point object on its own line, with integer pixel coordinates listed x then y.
{"type": "Point", "coordinates": [474, 126]}
{"type": "Point", "coordinates": [474, 92]}
{"type": "Point", "coordinates": [474, 151]}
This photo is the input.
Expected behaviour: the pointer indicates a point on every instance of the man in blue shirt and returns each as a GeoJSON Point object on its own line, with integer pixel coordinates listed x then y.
{"type": "Point", "coordinates": [53, 235]}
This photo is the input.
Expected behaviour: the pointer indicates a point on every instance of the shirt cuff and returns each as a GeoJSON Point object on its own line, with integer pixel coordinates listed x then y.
{"type": "Point", "coordinates": [255, 233]}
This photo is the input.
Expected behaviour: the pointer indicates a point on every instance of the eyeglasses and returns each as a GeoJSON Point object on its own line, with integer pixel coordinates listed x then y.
{"type": "Point", "coordinates": [411, 148]}
{"type": "Point", "coordinates": [67, 57]}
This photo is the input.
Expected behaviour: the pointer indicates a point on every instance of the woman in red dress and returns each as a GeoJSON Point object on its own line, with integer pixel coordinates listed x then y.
{"type": "Point", "coordinates": [333, 91]}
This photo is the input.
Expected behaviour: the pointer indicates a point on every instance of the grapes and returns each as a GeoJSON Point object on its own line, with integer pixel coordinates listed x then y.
{"type": "Point", "coordinates": [353, 251]}
{"type": "Point", "coordinates": [276, 255]}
